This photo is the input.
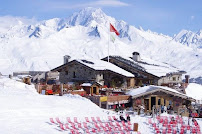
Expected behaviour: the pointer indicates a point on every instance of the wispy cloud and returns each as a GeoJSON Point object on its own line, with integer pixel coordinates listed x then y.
{"type": "Point", "coordinates": [114, 3]}
{"type": "Point", "coordinates": [98, 3]}
{"type": "Point", "coordinates": [192, 17]}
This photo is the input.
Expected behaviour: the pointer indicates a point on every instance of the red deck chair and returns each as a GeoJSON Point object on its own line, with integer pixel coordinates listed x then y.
{"type": "Point", "coordinates": [85, 125]}
{"type": "Point", "coordinates": [105, 130]}
{"type": "Point", "coordinates": [117, 124]}
{"type": "Point", "coordinates": [174, 131]}
{"type": "Point", "coordinates": [69, 120]}
{"type": "Point", "coordinates": [111, 124]}
{"type": "Point", "coordinates": [101, 125]}
{"type": "Point", "coordinates": [87, 120]}
{"type": "Point", "coordinates": [106, 125]}
{"type": "Point", "coordinates": [123, 123]}
{"type": "Point", "coordinates": [193, 130]}
{"type": "Point", "coordinates": [109, 118]}
{"type": "Point", "coordinates": [182, 131]}
{"type": "Point", "coordinates": [129, 123]}
{"type": "Point", "coordinates": [93, 130]}
{"type": "Point", "coordinates": [79, 125]}
{"type": "Point", "coordinates": [154, 125]}
{"type": "Point", "coordinates": [164, 131]}
{"type": "Point", "coordinates": [58, 120]}
{"type": "Point", "coordinates": [87, 131]}
{"type": "Point", "coordinates": [99, 130]}
{"type": "Point", "coordinates": [93, 119]}
{"type": "Point", "coordinates": [150, 121]}
{"type": "Point", "coordinates": [110, 129]}
{"type": "Point", "coordinates": [119, 128]}
{"type": "Point", "coordinates": [198, 130]}
{"type": "Point", "coordinates": [66, 126]}
{"type": "Point", "coordinates": [76, 131]}
{"type": "Point", "coordinates": [72, 131]}
{"type": "Point", "coordinates": [98, 119]}
{"type": "Point", "coordinates": [52, 121]}
{"type": "Point", "coordinates": [73, 125]}
{"type": "Point", "coordinates": [61, 126]}
{"type": "Point", "coordinates": [75, 120]}
{"type": "Point", "coordinates": [96, 125]}
{"type": "Point", "coordinates": [114, 118]}
{"type": "Point", "coordinates": [188, 127]}
{"type": "Point", "coordinates": [169, 131]}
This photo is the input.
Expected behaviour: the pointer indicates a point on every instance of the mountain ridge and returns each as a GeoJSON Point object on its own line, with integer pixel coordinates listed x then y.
{"type": "Point", "coordinates": [41, 46]}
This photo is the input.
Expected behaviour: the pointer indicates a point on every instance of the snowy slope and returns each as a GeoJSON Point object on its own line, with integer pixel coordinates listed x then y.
{"type": "Point", "coordinates": [195, 91]}
{"type": "Point", "coordinates": [42, 45]}
{"type": "Point", "coordinates": [24, 111]}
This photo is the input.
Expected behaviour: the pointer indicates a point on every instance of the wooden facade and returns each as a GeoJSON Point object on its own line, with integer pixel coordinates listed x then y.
{"type": "Point", "coordinates": [108, 102]}
{"type": "Point", "coordinates": [92, 89]}
{"type": "Point", "coordinates": [160, 97]}
{"type": "Point", "coordinates": [141, 76]}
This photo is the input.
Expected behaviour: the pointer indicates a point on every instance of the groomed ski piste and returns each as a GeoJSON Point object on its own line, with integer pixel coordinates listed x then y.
{"type": "Point", "coordinates": [23, 111]}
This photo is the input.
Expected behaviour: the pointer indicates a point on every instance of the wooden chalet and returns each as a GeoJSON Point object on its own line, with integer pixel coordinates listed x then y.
{"type": "Point", "coordinates": [156, 96]}
{"type": "Point", "coordinates": [146, 72]}
{"type": "Point", "coordinates": [142, 77]}
{"type": "Point", "coordinates": [91, 88]}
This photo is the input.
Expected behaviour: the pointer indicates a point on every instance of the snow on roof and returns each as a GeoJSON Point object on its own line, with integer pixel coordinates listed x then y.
{"type": "Point", "coordinates": [195, 91]}
{"type": "Point", "coordinates": [23, 76]}
{"type": "Point", "coordinates": [86, 84]}
{"type": "Point", "coordinates": [103, 65]}
{"type": "Point", "coordinates": [142, 90]}
{"type": "Point", "coordinates": [154, 67]}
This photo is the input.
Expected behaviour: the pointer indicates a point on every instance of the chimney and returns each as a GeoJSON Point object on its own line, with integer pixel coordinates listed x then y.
{"type": "Point", "coordinates": [187, 79]}
{"type": "Point", "coordinates": [136, 56]}
{"type": "Point", "coordinates": [66, 59]}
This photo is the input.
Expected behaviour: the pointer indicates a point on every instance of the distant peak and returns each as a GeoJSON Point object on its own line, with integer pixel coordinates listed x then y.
{"type": "Point", "coordinates": [87, 15]}
{"type": "Point", "coordinates": [91, 10]}
{"type": "Point", "coordinates": [199, 32]}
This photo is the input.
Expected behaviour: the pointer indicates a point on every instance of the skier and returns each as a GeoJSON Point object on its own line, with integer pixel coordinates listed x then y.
{"type": "Point", "coordinates": [128, 117]}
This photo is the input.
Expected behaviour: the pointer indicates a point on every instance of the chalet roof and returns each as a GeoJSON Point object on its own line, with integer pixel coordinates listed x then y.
{"type": "Point", "coordinates": [99, 65]}
{"type": "Point", "coordinates": [138, 92]}
{"type": "Point", "coordinates": [103, 65]}
{"type": "Point", "coordinates": [147, 65]}
{"type": "Point", "coordinates": [86, 85]}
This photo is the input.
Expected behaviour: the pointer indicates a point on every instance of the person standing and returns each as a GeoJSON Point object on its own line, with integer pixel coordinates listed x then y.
{"type": "Point", "coordinates": [128, 117]}
{"type": "Point", "coordinates": [165, 109]}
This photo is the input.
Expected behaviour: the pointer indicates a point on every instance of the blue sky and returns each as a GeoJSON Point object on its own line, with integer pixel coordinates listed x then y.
{"type": "Point", "coordinates": [162, 16]}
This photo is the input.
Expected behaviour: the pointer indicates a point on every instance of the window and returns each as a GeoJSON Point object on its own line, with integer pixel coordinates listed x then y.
{"type": "Point", "coordinates": [74, 74]}
{"type": "Point", "coordinates": [66, 73]}
{"type": "Point", "coordinates": [159, 101]}
{"type": "Point", "coordinates": [174, 78]}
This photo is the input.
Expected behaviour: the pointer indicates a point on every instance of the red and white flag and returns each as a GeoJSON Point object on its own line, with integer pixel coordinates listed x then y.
{"type": "Point", "coordinates": [112, 29]}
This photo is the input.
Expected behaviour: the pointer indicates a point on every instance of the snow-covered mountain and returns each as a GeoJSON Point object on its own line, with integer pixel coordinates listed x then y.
{"type": "Point", "coordinates": [190, 38]}
{"type": "Point", "coordinates": [42, 45]}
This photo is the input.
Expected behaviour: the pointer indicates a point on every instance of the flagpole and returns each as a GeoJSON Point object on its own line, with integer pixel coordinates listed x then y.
{"type": "Point", "coordinates": [108, 43]}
